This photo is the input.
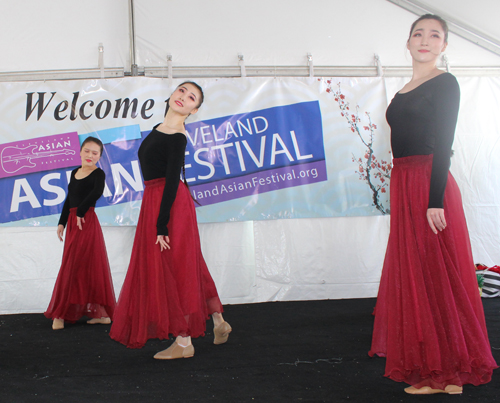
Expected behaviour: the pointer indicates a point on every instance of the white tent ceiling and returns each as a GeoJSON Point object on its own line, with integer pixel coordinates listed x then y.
{"type": "Point", "coordinates": [42, 35]}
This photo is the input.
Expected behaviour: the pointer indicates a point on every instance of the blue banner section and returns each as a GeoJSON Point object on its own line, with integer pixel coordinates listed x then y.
{"type": "Point", "coordinates": [242, 144]}
{"type": "Point", "coordinates": [259, 182]}
{"type": "Point", "coordinates": [123, 133]}
{"type": "Point", "coordinates": [267, 141]}
{"type": "Point", "coordinates": [43, 193]}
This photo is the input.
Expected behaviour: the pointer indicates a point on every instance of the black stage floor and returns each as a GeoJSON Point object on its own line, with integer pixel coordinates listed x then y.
{"type": "Point", "coordinates": [312, 351]}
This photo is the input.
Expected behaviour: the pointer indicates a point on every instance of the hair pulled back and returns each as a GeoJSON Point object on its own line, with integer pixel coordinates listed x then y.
{"type": "Point", "coordinates": [443, 23]}
{"type": "Point", "coordinates": [91, 139]}
{"type": "Point", "coordinates": [202, 96]}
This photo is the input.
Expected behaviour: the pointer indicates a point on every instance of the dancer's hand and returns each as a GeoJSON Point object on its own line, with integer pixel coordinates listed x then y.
{"type": "Point", "coordinates": [79, 222]}
{"type": "Point", "coordinates": [435, 217]}
{"type": "Point", "coordinates": [163, 241]}
{"type": "Point", "coordinates": [60, 232]}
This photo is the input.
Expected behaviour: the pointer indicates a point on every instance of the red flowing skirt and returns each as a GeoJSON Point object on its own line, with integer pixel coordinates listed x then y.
{"type": "Point", "coordinates": [170, 292]}
{"type": "Point", "coordinates": [429, 318]}
{"type": "Point", "coordinates": [84, 286]}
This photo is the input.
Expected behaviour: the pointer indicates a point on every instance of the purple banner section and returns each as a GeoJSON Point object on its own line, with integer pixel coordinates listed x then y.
{"type": "Point", "coordinates": [259, 182]}
{"type": "Point", "coordinates": [39, 154]}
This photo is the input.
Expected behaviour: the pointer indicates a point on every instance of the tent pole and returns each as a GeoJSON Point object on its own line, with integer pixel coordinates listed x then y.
{"type": "Point", "coordinates": [189, 72]}
{"type": "Point", "coordinates": [134, 71]}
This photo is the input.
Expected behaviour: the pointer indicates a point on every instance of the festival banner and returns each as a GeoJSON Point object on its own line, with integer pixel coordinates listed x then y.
{"type": "Point", "coordinates": [257, 148]}
{"type": "Point", "coordinates": [257, 152]}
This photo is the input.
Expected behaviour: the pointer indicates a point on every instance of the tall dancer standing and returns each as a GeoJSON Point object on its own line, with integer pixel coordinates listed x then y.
{"type": "Point", "coordinates": [168, 289]}
{"type": "Point", "coordinates": [429, 319]}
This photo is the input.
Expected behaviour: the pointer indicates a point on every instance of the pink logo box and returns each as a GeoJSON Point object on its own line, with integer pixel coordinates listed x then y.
{"type": "Point", "coordinates": [39, 154]}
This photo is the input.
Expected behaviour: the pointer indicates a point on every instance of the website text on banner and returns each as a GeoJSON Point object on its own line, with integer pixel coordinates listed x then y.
{"type": "Point", "coordinates": [257, 152]}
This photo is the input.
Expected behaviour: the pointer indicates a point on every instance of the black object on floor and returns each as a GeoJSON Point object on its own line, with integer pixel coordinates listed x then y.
{"type": "Point", "coordinates": [309, 351]}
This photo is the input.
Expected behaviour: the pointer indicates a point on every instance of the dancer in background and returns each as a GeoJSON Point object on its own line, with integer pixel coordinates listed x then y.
{"type": "Point", "coordinates": [429, 320]}
{"type": "Point", "coordinates": [168, 289]}
{"type": "Point", "coordinates": [83, 286]}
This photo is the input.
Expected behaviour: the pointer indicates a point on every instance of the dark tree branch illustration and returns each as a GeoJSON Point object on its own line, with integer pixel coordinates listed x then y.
{"type": "Point", "coordinates": [375, 173]}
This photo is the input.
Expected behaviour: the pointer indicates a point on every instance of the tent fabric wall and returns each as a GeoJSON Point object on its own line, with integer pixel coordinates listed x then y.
{"type": "Point", "coordinates": [42, 35]}
{"type": "Point", "coordinates": [476, 166]}
{"type": "Point", "coordinates": [275, 33]}
{"type": "Point", "coordinates": [267, 260]}
{"type": "Point", "coordinates": [260, 261]}
{"type": "Point", "coordinates": [55, 35]}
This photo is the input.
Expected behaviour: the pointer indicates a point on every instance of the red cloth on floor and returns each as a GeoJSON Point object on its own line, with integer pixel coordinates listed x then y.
{"type": "Point", "coordinates": [84, 286]}
{"type": "Point", "coordinates": [429, 320]}
{"type": "Point", "coordinates": [170, 292]}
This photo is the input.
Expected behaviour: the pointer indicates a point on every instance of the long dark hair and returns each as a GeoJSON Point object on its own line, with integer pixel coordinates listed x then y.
{"type": "Point", "coordinates": [443, 23]}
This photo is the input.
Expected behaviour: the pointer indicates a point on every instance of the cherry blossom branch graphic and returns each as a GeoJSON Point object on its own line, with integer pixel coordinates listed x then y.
{"type": "Point", "coordinates": [375, 173]}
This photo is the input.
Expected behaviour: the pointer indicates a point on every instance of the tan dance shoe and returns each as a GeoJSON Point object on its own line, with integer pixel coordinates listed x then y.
{"type": "Point", "coordinates": [221, 333]}
{"type": "Point", "coordinates": [427, 390]}
{"type": "Point", "coordinates": [101, 321]}
{"type": "Point", "coordinates": [58, 324]}
{"type": "Point", "coordinates": [175, 351]}
{"type": "Point", "coordinates": [453, 390]}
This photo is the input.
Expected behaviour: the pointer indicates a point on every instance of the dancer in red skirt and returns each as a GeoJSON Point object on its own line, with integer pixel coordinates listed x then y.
{"type": "Point", "coordinates": [429, 320]}
{"type": "Point", "coordinates": [168, 289]}
{"type": "Point", "coordinates": [83, 286]}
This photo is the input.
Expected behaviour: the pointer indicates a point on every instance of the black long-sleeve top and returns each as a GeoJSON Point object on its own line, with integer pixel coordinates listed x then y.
{"type": "Point", "coordinates": [83, 193]}
{"type": "Point", "coordinates": [162, 156]}
{"type": "Point", "coordinates": [423, 122]}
